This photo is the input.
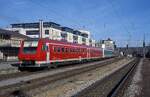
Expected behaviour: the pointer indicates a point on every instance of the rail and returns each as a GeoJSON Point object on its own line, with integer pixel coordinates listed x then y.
{"type": "Point", "coordinates": [35, 83]}
{"type": "Point", "coordinates": [117, 88]}
{"type": "Point", "coordinates": [109, 85]}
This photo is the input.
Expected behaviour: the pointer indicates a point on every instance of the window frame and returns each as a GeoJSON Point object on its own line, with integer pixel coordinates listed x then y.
{"type": "Point", "coordinates": [46, 33]}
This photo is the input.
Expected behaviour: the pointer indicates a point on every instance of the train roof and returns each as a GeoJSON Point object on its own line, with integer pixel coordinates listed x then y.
{"type": "Point", "coordinates": [62, 42]}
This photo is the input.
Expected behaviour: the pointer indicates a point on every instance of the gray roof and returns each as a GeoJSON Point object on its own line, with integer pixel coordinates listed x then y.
{"type": "Point", "coordinates": [12, 33]}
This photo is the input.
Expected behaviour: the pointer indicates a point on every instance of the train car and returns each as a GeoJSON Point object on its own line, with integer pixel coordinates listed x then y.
{"type": "Point", "coordinates": [46, 52]}
{"type": "Point", "coordinates": [108, 53]}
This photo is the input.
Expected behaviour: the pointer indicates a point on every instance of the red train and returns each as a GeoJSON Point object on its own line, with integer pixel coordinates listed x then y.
{"type": "Point", "coordinates": [45, 52]}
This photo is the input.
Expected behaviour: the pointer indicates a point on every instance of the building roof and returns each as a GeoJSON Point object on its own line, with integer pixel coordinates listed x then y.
{"type": "Point", "coordinates": [36, 25]}
{"type": "Point", "coordinates": [13, 33]}
{"type": "Point", "coordinates": [6, 32]}
{"type": "Point", "coordinates": [76, 32]}
{"type": "Point", "coordinates": [67, 29]}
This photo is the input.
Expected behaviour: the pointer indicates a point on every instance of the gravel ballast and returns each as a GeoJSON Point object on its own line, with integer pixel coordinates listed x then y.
{"type": "Point", "coordinates": [71, 86]}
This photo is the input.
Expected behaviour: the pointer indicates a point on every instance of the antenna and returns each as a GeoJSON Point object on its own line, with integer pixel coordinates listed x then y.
{"type": "Point", "coordinates": [144, 45]}
{"type": "Point", "coordinates": [105, 30]}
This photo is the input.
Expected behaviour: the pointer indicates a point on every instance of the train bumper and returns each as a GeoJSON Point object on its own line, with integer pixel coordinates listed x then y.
{"type": "Point", "coordinates": [33, 64]}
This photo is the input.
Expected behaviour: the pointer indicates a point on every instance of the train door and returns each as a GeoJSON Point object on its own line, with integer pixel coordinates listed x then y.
{"type": "Point", "coordinates": [47, 53]}
{"type": "Point", "coordinates": [88, 53]}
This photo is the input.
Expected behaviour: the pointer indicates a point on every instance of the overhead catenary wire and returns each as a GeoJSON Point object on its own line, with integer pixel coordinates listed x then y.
{"type": "Point", "coordinates": [121, 22]}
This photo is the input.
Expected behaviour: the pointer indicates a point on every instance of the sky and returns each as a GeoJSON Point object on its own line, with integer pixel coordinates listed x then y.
{"type": "Point", "coordinates": [124, 21]}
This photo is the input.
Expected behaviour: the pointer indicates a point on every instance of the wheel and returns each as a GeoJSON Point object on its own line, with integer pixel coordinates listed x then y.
{"type": "Point", "coordinates": [21, 69]}
{"type": "Point", "coordinates": [54, 66]}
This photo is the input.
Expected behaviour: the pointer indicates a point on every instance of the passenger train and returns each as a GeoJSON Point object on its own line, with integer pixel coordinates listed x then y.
{"type": "Point", "coordinates": [46, 53]}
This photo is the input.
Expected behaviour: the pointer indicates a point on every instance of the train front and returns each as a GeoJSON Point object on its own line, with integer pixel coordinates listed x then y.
{"type": "Point", "coordinates": [30, 54]}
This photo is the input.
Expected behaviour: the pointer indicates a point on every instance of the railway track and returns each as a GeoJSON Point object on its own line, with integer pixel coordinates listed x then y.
{"type": "Point", "coordinates": [26, 73]}
{"type": "Point", "coordinates": [116, 90]}
{"type": "Point", "coordinates": [110, 85]}
{"type": "Point", "coordinates": [21, 85]}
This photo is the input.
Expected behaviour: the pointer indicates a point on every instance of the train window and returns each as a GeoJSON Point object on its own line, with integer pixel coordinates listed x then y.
{"type": "Point", "coordinates": [82, 50]}
{"type": "Point", "coordinates": [71, 50]}
{"type": "Point", "coordinates": [55, 49]}
{"type": "Point", "coordinates": [29, 50]}
{"type": "Point", "coordinates": [78, 50]}
{"type": "Point", "coordinates": [45, 48]}
{"type": "Point", "coordinates": [66, 49]}
{"type": "Point", "coordinates": [75, 50]}
{"type": "Point", "coordinates": [58, 49]}
{"type": "Point", "coordinates": [62, 49]}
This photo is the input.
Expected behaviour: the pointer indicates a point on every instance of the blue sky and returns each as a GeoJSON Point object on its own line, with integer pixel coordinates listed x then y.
{"type": "Point", "coordinates": [124, 21]}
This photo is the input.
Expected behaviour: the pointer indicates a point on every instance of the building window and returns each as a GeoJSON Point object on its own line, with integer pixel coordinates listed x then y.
{"type": "Point", "coordinates": [32, 32]}
{"type": "Point", "coordinates": [47, 32]}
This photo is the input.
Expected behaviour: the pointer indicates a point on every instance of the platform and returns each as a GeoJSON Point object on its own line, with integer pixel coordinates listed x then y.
{"type": "Point", "coordinates": [140, 83]}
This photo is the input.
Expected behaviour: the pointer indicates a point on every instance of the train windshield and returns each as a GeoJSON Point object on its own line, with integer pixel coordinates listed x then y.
{"type": "Point", "coordinates": [30, 47]}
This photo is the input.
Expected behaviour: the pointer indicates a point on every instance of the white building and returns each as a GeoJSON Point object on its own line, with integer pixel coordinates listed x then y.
{"type": "Point", "coordinates": [79, 39]}
{"type": "Point", "coordinates": [85, 33]}
{"type": "Point", "coordinates": [53, 31]}
{"type": "Point", "coordinates": [108, 44]}
{"type": "Point", "coordinates": [50, 30]}
{"type": "Point", "coordinates": [10, 42]}
{"type": "Point", "coordinates": [93, 43]}
{"type": "Point", "coordinates": [67, 34]}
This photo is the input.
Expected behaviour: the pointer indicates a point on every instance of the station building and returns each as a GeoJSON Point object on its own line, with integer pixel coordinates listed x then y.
{"type": "Point", "coordinates": [9, 44]}
{"type": "Point", "coordinates": [53, 31]}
